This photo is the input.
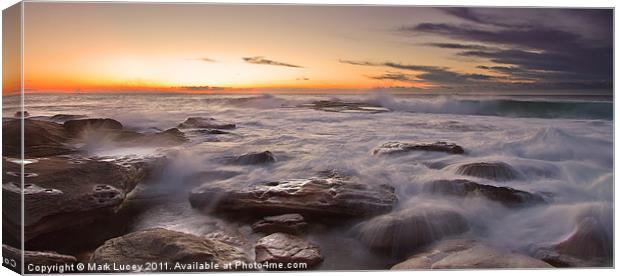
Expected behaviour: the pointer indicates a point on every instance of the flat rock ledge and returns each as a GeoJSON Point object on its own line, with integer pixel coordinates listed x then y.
{"type": "Point", "coordinates": [180, 251]}
{"type": "Point", "coordinates": [467, 254]}
{"type": "Point", "coordinates": [281, 248]}
{"type": "Point", "coordinates": [330, 195]}
{"type": "Point", "coordinates": [400, 147]}
{"type": "Point", "coordinates": [507, 196]}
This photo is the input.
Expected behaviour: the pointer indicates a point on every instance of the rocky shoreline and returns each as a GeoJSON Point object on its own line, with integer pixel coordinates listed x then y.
{"type": "Point", "coordinates": [68, 192]}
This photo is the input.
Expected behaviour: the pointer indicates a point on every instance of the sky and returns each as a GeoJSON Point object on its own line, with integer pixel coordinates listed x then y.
{"type": "Point", "coordinates": [111, 47]}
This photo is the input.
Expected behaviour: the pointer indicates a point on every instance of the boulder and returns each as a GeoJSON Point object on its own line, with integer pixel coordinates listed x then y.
{"type": "Point", "coordinates": [498, 171]}
{"type": "Point", "coordinates": [399, 147]}
{"type": "Point", "coordinates": [66, 191]}
{"type": "Point", "coordinates": [169, 137]}
{"type": "Point", "coordinates": [287, 249]}
{"type": "Point", "coordinates": [199, 122]}
{"type": "Point", "coordinates": [288, 223]}
{"type": "Point", "coordinates": [463, 188]}
{"type": "Point", "coordinates": [467, 254]}
{"type": "Point", "coordinates": [402, 232]}
{"type": "Point", "coordinates": [77, 127]}
{"type": "Point", "coordinates": [40, 138]}
{"type": "Point", "coordinates": [169, 247]}
{"type": "Point", "coordinates": [254, 158]}
{"type": "Point", "coordinates": [588, 245]}
{"type": "Point", "coordinates": [38, 258]}
{"type": "Point", "coordinates": [330, 195]}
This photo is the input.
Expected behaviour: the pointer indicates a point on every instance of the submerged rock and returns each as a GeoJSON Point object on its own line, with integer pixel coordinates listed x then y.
{"type": "Point", "coordinates": [328, 195]}
{"type": "Point", "coordinates": [588, 245]}
{"type": "Point", "coordinates": [405, 231]}
{"type": "Point", "coordinates": [40, 138]}
{"type": "Point", "coordinates": [467, 254]}
{"type": "Point", "coordinates": [498, 171]}
{"type": "Point", "coordinates": [254, 158]}
{"type": "Point", "coordinates": [169, 137]}
{"type": "Point", "coordinates": [287, 249]}
{"type": "Point", "coordinates": [77, 127]}
{"type": "Point", "coordinates": [288, 223]}
{"type": "Point", "coordinates": [36, 257]}
{"type": "Point", "coordinates": [399, 147]}
{"type": "Point", "coordinates": [346, 107]}
{"type": "Point", "coordinates": [65, 192]}
{"type": "Point", "coordinates": [170, 247]}
{"type": "Point", "coordinates": [210, 123]}
{"type": "Point", "coordinates": [507, 196]}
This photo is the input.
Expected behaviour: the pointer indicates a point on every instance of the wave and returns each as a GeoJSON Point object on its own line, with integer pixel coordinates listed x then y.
{"type": "Point", "coordinates": [498, 107]}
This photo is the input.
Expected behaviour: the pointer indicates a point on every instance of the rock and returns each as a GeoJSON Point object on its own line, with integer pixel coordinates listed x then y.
{"type": "Point", "coordinates": [21, 114]}
{"type": "Point", "coordinates": [209, 176]}
{"type": "Point", "coordinates": [498, 171]}
{"type": "Point", "coordinates": [287, 249]}
{"type": "Point", "coordinates": [398, 147]}
{"type": "Point", "coordinates": [405, 231]}
{"type": "Point", "coordinates": [199, 122]}
{"type": "Point", "coordinates": [288, 223]}
{"type": "Point", "coordinates": [39, 258]}
{"type": "Point", "coordinates": [66, 117]}
{"type": "Point", "coordinates": [467, 254]}
{"type": "Point", "coordinates": [507, 196]}
{"type": "Point", "coordinates": [170, 137]}
{"type": "Point", "coordinates": [40, 138]}
{"type": "Point", "coordinates": [63, 192]}
{"type": "Point", "coordinates": [328, 195]}
{"type": "Point", "coordinates": [588, 245]}
{"type": "Point", "coordinates": [345, 107]}
{"type": "Point", "coordinates": [255, 158]}
{"type": "Point", "coordinates": [77, 127]}
{"type": "Point", "coordinates": [170, 247]}
{"type": "Point", "coordinates": [211, 131]}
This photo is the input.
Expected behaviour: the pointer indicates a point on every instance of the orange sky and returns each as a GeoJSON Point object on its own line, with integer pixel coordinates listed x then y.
{"type": "Point", "coordinates": [71, 47]}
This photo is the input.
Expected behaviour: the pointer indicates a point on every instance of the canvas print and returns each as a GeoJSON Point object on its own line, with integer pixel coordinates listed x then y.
{"type": "Point", "coordinates": [194, 137]}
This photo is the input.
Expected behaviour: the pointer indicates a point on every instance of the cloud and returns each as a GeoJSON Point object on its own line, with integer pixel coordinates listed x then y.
{"type": "Point", "coordinates": [263, 60]}
{"type": "Point", "coordinates": [432, 74]}
{"type": "Point", "coordinates": [302, 79]}
{"type": "Point", "coordinates": [205, 59]}
{"type": "Point", "coordinates": [201, 88]}
{"type": "Point", "coordinates": [540, 46]}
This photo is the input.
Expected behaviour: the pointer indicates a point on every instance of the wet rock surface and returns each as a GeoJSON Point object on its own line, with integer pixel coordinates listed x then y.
{"type": "Point", "coordinates": [66, 117]}
{"type": "Point", "coordinates": [467, 254]}
{"type": "Point", "coordinates": [287, 249]}
{"type": "Point", "coordinates": [400, 147]}
{"type": "Point", "coordinates": [78, 127]}
{"type": "Point", "coordinates": [405, 231]}
{"type": "Point", "coordinates": [498, 171]}
{"type": "Point", "coordinates": [67, 191]}
{"type": "Point", "coordinates": [346, 107]}
{"type": "Point", "coordinates": [161, 245]}
{"type": "Point", "coordinates": [41, 138]}
{"type": "Point", "coordinates": [326, 195]}
{"type": "Point", "coordinates": [36, 257]}
{"type": "Point", "coordinates": [463, 188]}
{"type": "Point", "coordinates": [287, 223]}
{"type": "Point", "coordinates": [254, 158]}
{"type": "Point", "coordinates": [208, 123]}
{"type": "Point", "coordinates": [588, 245]}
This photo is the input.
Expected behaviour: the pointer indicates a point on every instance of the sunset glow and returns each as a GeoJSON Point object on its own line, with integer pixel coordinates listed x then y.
{"type": "Point", "coordinates": [102, 47]}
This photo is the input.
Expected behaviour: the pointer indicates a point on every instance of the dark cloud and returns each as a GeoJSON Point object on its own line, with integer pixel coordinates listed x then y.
{"type": "Point", "coordinates": [263, 60]}
{"type": "Point", "coordinates": [541, 46]}
{"type": "Point", "coordinates": [458, 46]}
{"type": "Point", "coordinates": [207, 60]}
{"type": "Point", "coordinates": [433, 74]}
{"type": "Point", "coordinates": [302, 79]}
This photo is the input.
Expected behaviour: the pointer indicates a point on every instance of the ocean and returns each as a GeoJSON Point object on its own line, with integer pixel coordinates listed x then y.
{"type": "Point", "coordinates": [561, 148]}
